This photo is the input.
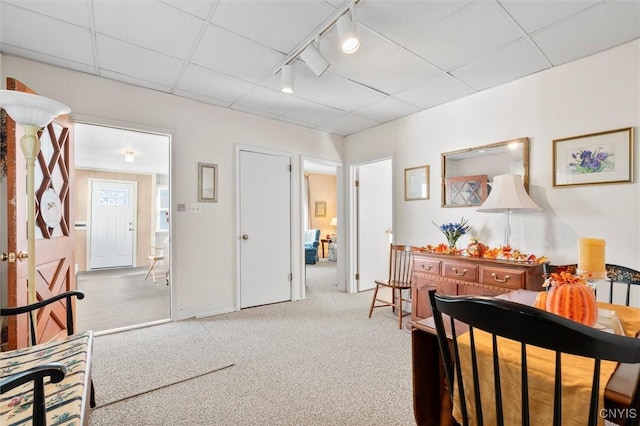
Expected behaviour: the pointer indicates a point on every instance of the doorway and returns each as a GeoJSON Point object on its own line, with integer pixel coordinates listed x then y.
{"type": "Point", "coordinates": [372, 217]}
{"type": "Point", "coordinates": [121, 218]}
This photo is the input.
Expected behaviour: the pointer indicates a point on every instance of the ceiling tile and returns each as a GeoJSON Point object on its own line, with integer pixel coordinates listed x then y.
{"type": "Point", "coordinates": [46, 59]}
{"type": "Point", "coordinates": [373, 48]}
{"type": "Point", "coordinates": [289, 21]}
{"type": "Point", "coordinates": [349, 96]}
{"type": "Point", "coordinates": [387, 109]}
{"type": "Point", "coordinates": [383, 75]}
{"type": "Point", "coordinates": [212, 84]}
{"type": "Point", "coordinates": [437, 90]}
{"type": "Point", "coordinates": [474, 31]}
{"type": "Point", "coordinates": [402, 24]}
{"type": "Point", "coordinates": [268, 101]}
{"type": "Point", "coordinates": [53, 37]}
{"type": "Point", "coordinates": [73, 12]}
{"type": "Point", "coordinates": [253, 111]}
{"type": "Point", "coordinates": [135, 81]}
{"type": "Point", "coordinates": [510, 63]}
{"type": "Point", "coordinates": [588, 32]}
{"type": "Point", "coordinates": [347, 124]}
{"type": "Point", "coordinates": [201, 98]}
{"type": "Point", "coordinates": [230, 54]}
{"type": "Point", "coordinates": [531, 17]}
{"type": "Point", "coordinates": [134, 61]}
{"type": "Point", "coordinates": [313, 113]}
{"type": "Point", "coordinates": [149, 24]}
{"type": "Point", "coordinates": [199, 8]}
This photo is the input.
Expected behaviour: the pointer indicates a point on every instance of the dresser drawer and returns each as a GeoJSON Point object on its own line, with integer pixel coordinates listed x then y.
{"type": "Point", "coordinates": [502, 277]}
{"type": "Point", "coordinates": [426, 266]}
{"type": "Point", "coordinates": [461, 271]}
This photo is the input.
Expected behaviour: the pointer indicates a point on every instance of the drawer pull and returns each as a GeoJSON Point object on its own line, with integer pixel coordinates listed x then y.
{"type": "Point", "coordinates": [455, 271]}
{"type": "Point", "coordinates": [430, 267]}
{"type": "Point", "coordinates": [495, 277]}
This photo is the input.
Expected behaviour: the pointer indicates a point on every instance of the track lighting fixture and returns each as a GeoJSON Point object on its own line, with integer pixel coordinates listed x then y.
{"type": "Point", "coordinates": [286, 79]}
{"type": "Point", "coordinates": [348, 37]}
{"type": "Point", "coordinates": [314, 60]}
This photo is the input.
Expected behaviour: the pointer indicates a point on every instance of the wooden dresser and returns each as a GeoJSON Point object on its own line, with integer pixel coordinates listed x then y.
{"type": "Point", "coordinates": [457, 275]}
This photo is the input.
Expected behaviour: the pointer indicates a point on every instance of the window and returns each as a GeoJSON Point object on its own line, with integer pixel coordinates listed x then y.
{"type": "Point", "coordinates": [162, 208]}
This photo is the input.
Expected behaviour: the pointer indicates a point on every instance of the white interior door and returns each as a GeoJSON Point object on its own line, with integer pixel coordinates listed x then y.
{"type": "Point", "coordinates": [374, 220]}
{"type": "Point", "coordinates": [265, 228]}
{"type": "Point", "coordinates": [112, 224]}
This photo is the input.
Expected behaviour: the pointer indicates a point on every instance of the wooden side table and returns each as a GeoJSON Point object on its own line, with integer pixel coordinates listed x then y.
{"type": "Point", "coordinates": [323, 242]}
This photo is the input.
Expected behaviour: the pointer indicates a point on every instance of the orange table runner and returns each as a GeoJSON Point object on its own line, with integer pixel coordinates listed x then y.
{"type": "Point", "coordinates": [577, 373]}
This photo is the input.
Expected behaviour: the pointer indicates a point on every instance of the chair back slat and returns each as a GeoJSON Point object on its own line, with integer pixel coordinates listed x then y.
{"type": "Point", "coordinates": [531, 327]}
{"type": "Point", "coordinates": [620, 275]}
{"type": "Point", "coordinates": [400, 263]}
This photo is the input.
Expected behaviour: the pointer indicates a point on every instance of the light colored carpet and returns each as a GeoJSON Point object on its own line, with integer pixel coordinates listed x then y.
{"type": "Point", "coordinates": [320, 361]}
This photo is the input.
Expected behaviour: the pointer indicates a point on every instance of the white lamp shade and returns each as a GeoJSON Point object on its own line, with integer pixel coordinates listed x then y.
{"type": "Point", "coordinates": [314, 60]}
{"type": "Point", "coordinates": [334, 222]}
{"type": "Point", "coordinates": [508, 194]}
{"type": "Point", "coordinates": [27, 108]}
{"type": "Point", "coordinates": [286, 79]}
{"type": "Point", "coordinates": [348, 37]}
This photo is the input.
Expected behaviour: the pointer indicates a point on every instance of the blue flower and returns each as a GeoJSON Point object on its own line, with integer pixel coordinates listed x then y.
{"type": "Point", "coordinates": [453, 231]}
{"type": "Point", "coordinates": [588, 161]}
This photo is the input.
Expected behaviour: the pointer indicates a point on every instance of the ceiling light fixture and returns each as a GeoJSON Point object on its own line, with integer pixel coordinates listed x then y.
{"type": "Point", "coordinates": [348, 36]}
{"type": "Point", "coordinates": [286, 79]}
{"type": "Point", "coordinates": [314, 60]}
{"type": "Point", "coordinates": [129, 156]}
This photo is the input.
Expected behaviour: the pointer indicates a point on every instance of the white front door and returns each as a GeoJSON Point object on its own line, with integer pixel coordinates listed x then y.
{"type": "Point", "coordinates": [374, 217]}
{"type": "Point", "coordinates": [112, 224]}
{"type": "Point", "coordinates": [265, 228]}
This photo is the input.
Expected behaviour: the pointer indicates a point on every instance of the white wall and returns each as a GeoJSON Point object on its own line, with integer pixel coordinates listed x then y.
{"type": "Point", "coordinates": [597, 93]}
{"type": "Point", "coordinates": [203, 246]}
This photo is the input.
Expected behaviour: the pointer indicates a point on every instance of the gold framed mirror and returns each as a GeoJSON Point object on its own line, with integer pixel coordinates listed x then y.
{"type": "Point", "coordinates": [467, 174]}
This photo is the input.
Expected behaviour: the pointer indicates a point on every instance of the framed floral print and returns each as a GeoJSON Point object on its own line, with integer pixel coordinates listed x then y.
{"type": "Point", "coordinates": [603, 157]}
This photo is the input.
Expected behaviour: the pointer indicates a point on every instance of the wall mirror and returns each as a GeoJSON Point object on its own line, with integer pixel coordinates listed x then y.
{"type": "Point", "coordinates": [467, 174]}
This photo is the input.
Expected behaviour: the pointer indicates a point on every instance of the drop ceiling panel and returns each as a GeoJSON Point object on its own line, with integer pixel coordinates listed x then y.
{"type": "Point", "coordinates": [510, 63]}
{"type": "Point", "coordinates": [73, 12]}
{"type": "Point", "coordinates": [474, 31]}
{"type": "Point", "coordinates": [312, 113]}
{"type": "Point", "coordinates": [348, 124]}
{"type": "Point", "coordinates": [134, 61]}
{"type": "Point", "coordinates": [199, 8]}
{"type": "Point", "coordinates": [292, 19]}
{"type": "Point", "coordinates": [230, 54]}
{"type": "Point", "coordinates": [53, 37]}
{"type": "Point", "coordinates": [212, 84]}
{"type": "Point", "coordinates": [269, 101]}
{"type": "Point", "coordinates": [149, 24]}
{"type": "Point", "coordinates": [402, 24]}
{"type": "Point", "coordinates": [387, 109]}
{"type": "Point", "coordinates": [307, 84]}
{"type": "Point", "coordinates": [349, 96]}
{"type": "Point", "coordinates": [435, 91]}
{"type": "Point", "coordinates": [605, 25]}
{"type": "Point", "coordinates": [532, 17]}
{"type": "Point", "coordinates": [383, 75]}
{"type": "Point", "coordinates": [47, 59]}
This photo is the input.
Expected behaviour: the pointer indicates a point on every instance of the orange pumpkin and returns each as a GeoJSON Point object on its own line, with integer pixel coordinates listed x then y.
{"type": "Point", "coordinates": [541, 300]}
{"type": "Point", "coordinates": [575, 301]}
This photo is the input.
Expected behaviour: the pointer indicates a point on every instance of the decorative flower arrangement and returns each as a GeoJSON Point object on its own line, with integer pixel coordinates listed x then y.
{"type": "Point", "coordinates": [453, 231]}
{"type": "Point", "coordinates": [590, 161]}
{"type": "Point", "coordinates": [501, 253]}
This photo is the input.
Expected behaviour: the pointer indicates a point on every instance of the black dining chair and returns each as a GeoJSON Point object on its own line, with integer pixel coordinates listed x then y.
{"type": "Point", "coordinates": [622, 276]}
{"type": "Point", "coordinates": [530, 327]}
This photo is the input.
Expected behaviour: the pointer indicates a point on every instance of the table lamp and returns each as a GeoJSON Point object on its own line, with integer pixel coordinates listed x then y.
{"type": "Point", "coordinates": [32, 112]}
{"type": "Point", "coordinates": [591, 258]}
{"type": "Point", "coordinates": [508, 195]}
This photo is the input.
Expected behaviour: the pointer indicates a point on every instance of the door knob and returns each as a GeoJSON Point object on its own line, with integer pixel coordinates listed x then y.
{"type": "Point", "coordinates": [4, 257]}
{"type": "Point", "coordinates": [11, 256]}
{"type": "Point", "coordinates": [22, 255]}
{"type": "Point", "coordinates": [245, 237]}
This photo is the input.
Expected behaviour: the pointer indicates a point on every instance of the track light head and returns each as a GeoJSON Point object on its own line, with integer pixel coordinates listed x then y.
{"type": "Point", "coordinates": [314, 60]}
{"type": "Point", "coordinates": [348, 37]}
{"type": "Point", "coordinates": [286, 79]}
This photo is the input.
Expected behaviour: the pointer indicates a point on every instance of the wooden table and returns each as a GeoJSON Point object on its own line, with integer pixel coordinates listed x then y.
{"type": "Point", "coordinates": [431, 403]}
{"type": "Point", "coordinates": [323, 242]}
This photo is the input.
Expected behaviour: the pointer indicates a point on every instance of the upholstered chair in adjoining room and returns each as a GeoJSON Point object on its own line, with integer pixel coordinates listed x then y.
{"type": "Point", "coordinates": [311, 243]}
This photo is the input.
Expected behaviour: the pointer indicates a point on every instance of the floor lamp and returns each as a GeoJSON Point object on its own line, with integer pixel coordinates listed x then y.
{"type": "Point", "coordinates": [508, 195]}
{"type": "Point", "coordinates": [32, 112]}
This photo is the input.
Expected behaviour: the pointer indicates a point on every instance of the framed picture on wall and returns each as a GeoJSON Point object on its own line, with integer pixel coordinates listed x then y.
{"type": "Point", "coordinates": [207, 183]}
{"type": "Point", "coordinates": [603, 157]}
{"type": "Point", "coordinates": [321, 208]}
{"type": "Point", "coordinates": [416, 183]}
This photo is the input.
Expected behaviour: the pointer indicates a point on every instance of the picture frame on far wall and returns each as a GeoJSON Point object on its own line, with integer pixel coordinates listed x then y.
{"type": "Point", "coordinates": [207, 183]}
{"type": "Point", "coordinates": [416, 183]}
{"type": "Point", "coordinates": [595, 158]}
{"type": "Point", "coordinates": [321, 208]}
